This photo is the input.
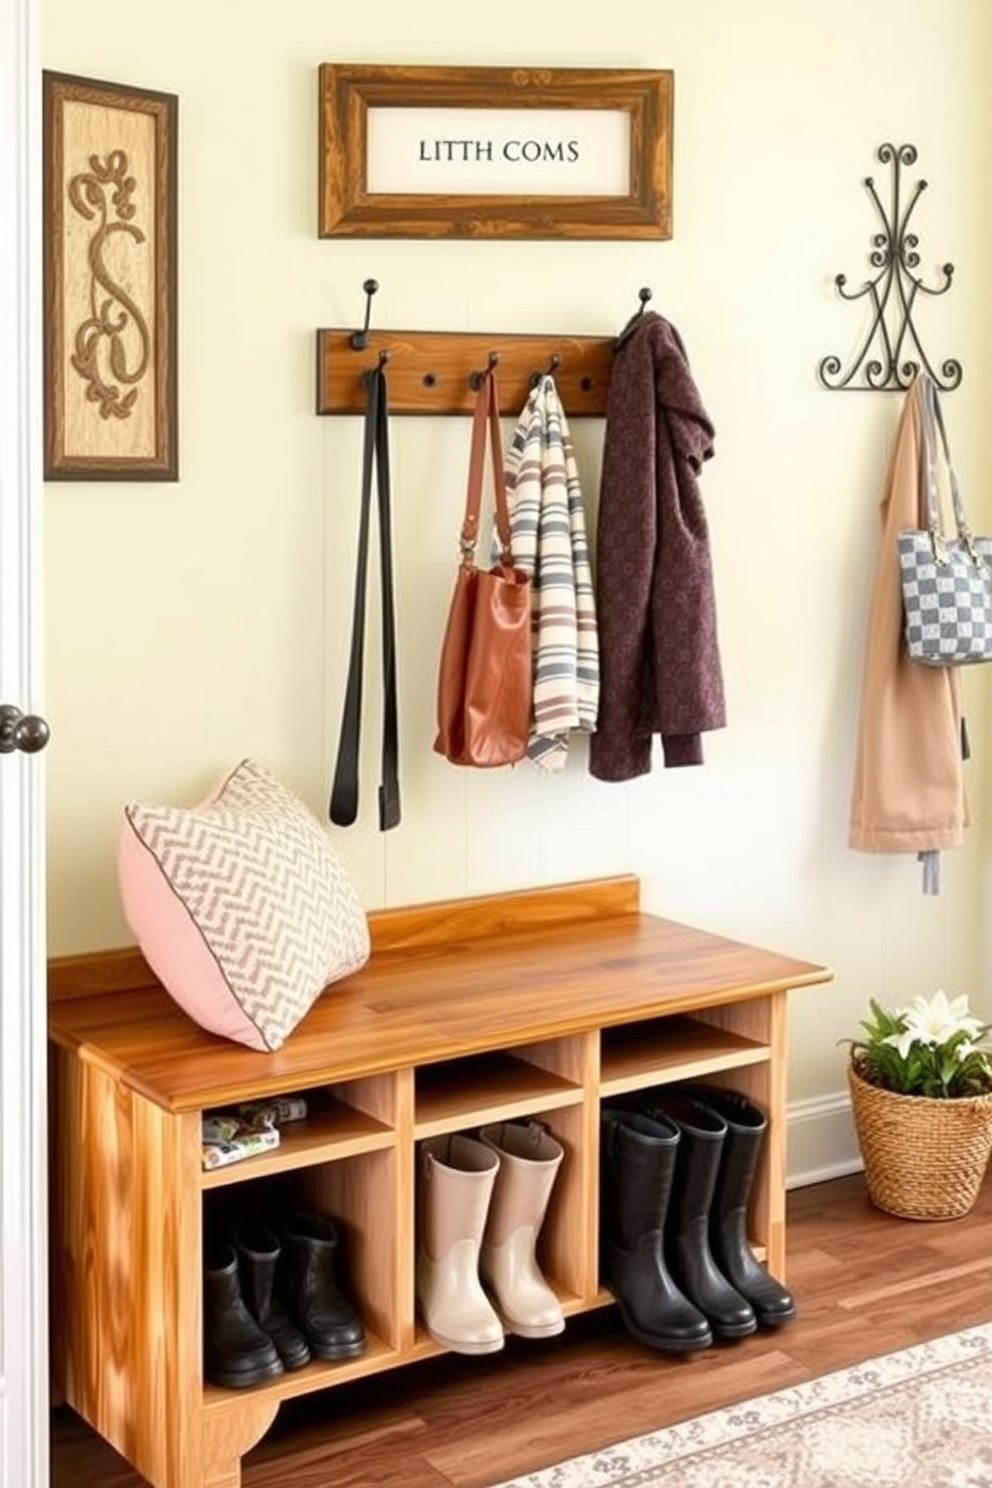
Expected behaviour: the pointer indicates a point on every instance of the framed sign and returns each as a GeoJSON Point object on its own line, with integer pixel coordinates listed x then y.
{"type": "Point", "coordinates": [109, 220]}
{"type": "Point", "coordinates": [494, 152]}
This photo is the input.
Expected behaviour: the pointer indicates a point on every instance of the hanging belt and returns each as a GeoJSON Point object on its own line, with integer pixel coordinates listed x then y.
{"type": "Point", "coordinates": [344, 792]}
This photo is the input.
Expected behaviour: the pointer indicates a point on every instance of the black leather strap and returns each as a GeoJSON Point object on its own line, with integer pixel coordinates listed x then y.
{"type": "Point", "coordinates": [344, 792]}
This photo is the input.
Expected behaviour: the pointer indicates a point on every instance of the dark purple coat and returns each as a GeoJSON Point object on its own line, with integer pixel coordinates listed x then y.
{"type": "Point", "coordinates": [659, 658]}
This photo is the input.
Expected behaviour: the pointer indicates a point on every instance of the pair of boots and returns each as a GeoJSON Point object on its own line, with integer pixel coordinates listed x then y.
{"type": "Point", "coordinates": [482, 1203]}
{"type": "Point", "coordinates": [272, 1304]}
{"type": "Point", "coordinates": [677, 1173]}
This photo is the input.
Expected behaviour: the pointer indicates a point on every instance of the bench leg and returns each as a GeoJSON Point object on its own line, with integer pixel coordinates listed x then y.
{"type": "Point", "coordinates": [226, 1439]}
{"type": "Point", "coordinates": [229, 1477]}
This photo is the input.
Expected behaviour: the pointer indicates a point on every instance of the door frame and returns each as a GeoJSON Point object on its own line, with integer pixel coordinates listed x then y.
{"type": "Point", "coordinates": [24, 1400]}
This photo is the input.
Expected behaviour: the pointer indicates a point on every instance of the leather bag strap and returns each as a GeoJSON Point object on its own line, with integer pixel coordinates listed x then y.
{"type": "Point", "coordinates": [343, 808]}
{"type": "Point", "coordinates": [929, 459]}
{"type": "Point", "coordinates": [936, 417]}
{"type": "Point", "coordinates": [486, 411]}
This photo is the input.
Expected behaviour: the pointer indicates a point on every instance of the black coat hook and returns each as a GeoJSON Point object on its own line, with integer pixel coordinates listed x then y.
{"type": "Point", "coordinates": [476, 379]}
{"type": "Point", "coordinates": [643, 295]}
{"type": "Point", "coordinates": [549, 371]}
{"type": "Point", "coordinates": [383, 358]}
{"type": "Point", "coordinates": [360, 339]}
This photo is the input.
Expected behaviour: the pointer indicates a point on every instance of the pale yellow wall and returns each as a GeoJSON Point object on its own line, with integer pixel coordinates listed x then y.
{"type": "Point", "coordinates": [191, 624]}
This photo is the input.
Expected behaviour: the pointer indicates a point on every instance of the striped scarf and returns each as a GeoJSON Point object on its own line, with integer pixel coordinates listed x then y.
{"type": "Point", "coordinates": [548, 531]}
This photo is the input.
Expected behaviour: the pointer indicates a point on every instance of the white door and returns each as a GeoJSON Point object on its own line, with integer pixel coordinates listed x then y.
{"type": "Point", "coordinates": [23, 1262]}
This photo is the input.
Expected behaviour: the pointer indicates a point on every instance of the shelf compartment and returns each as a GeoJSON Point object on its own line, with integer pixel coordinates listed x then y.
{"type": "Point", "coordinates": [364, 1195]}
{"type": "Point", "coordinates": [677, 1048]}
{"type": "Point", "coordinates": [490, 1087]}
{"type": "Point", "coordinates": [566, 1249]}
{"type": "Point", "coordinates": [331, 1131]}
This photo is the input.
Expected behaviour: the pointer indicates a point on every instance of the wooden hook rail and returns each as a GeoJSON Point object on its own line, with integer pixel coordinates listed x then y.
{"type": "Point", "coordinates": [430, 372]}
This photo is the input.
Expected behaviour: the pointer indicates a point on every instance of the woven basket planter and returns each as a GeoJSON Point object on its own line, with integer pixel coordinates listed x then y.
{"type": "Point", "coordinates": [924, 1159]}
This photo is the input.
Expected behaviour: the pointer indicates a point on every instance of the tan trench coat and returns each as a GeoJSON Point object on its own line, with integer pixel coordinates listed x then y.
{"type": "Point", "coordinates": [909, 791]}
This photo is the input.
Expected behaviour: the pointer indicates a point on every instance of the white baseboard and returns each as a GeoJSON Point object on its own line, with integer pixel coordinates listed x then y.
{"type": "Point", "coordinates": [820, 1142]}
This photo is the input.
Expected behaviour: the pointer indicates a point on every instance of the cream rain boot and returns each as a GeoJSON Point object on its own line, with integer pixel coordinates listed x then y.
{"type": "Point", "coordinates": [455, 1184]}
{"type": "Point", "coordinates": [529, 1159]}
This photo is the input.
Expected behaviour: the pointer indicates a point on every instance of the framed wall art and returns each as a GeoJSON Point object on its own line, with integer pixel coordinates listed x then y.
{"type": "Point", "coordinates": [494, 152]}
{"type": "Point", "coordinates": [109, 280]}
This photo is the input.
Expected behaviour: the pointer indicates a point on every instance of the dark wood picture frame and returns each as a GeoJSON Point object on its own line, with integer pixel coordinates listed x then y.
{"type": "Point", "coordinates": [109, 228]}
{"type": "Point", "coordinates": [348, 209]}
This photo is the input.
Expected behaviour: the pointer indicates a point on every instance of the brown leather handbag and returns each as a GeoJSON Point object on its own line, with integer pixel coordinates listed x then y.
{"type": "Point", "coordinates": [485, 681]}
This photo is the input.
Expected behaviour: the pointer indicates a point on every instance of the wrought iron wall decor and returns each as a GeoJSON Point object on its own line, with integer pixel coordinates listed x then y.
{"type": "Point", "coordinates": [891, 353]}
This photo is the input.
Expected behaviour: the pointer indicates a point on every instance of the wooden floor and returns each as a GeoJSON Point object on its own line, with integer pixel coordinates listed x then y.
{"type": "Point", "coordinates": [865, 1284]}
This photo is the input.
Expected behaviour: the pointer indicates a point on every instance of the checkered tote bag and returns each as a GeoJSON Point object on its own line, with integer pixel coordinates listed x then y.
{"type": "Point", "coordinates": [946, 582]}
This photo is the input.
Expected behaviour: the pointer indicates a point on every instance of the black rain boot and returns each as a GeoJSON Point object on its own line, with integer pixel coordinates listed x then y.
{"type": "Point", "coordinates": [702, 1133]}
{"type": "Point", "coordinates": [258, 1256]}
{"type": "Point", "coordinates": [746, 1128]}
{"type": "Point", "coordinates": [637, 1163]}
{"type": "Point", "coordinates": [235, 1350]}
{"type": "Point", "coordinates": [332, 1327]}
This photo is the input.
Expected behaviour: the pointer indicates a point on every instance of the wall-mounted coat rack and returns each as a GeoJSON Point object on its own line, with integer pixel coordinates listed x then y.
{"type": "Point", "coordinates": [891, 353]}
{"type": "Point", "coordinates": [435, 372]}
{"type": "Point", "coordinates": [431, 371]}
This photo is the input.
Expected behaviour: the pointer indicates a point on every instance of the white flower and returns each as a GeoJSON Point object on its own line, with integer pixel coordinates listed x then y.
{"type": "Point", "coordinates": [936, 1021]}
{"type": "Point", "coordinates": [966, 1049]}
{"type": "Point", "coordinates": [940, 1047]}
{"type": "Point", "coordinates": [902, 1041]}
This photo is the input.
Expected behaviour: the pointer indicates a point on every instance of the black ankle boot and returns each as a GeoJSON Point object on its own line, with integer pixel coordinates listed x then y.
{"type": "Point", "coordinates": [746, 1128]}
{"type": "Point", "coordinates": [702, 1134]}
{"type": "Point", "coordinates": [258, 1256]}
{"type": "Point", "coordinates": [637, 1164]}
{"type": "Point", "coordinates": [330, 1323]}
{"type": "Point", "coordinates": [235, 1350]}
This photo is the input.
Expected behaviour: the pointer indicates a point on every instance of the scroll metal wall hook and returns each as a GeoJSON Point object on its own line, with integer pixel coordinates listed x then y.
{"type": "Point", "coordinates": [477, 378]}
{"type": "Point", "coordinates": [892, 293]}
{"type": "Point", "coordinates": [360, 339]}
{"type": "Point", "coordinates": [643, 295]}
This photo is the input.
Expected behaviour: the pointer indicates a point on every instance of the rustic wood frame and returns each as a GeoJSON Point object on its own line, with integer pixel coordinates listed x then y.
{"type": "Point", "coordinates": [125, 348]}
{"type": "Point", "coordinates": [347, 209]}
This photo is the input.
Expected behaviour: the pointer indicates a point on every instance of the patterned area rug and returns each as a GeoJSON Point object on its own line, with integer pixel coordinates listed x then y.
{"type": "Point", "coordinates": [920, 1417]}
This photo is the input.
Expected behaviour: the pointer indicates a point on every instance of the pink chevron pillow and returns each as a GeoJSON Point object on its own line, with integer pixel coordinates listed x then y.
{"type": "Point", "coordinates": [241, 906]}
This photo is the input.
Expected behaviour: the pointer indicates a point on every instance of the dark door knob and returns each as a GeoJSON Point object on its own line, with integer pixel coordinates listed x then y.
{"type": "Point", "coordinates": [24, 731]}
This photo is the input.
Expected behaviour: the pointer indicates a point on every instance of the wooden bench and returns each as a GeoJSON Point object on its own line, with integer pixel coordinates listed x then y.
{"type": "Point", "coordinates": [540, 1003]}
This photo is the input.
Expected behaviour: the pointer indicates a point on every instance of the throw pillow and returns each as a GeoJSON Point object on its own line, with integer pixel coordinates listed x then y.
{"type": "Point", "coordinates": [241, 906]}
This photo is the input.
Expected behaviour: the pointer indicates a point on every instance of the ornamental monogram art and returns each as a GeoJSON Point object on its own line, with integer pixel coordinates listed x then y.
{"type": "Point", "coordinates": [112, 345]}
